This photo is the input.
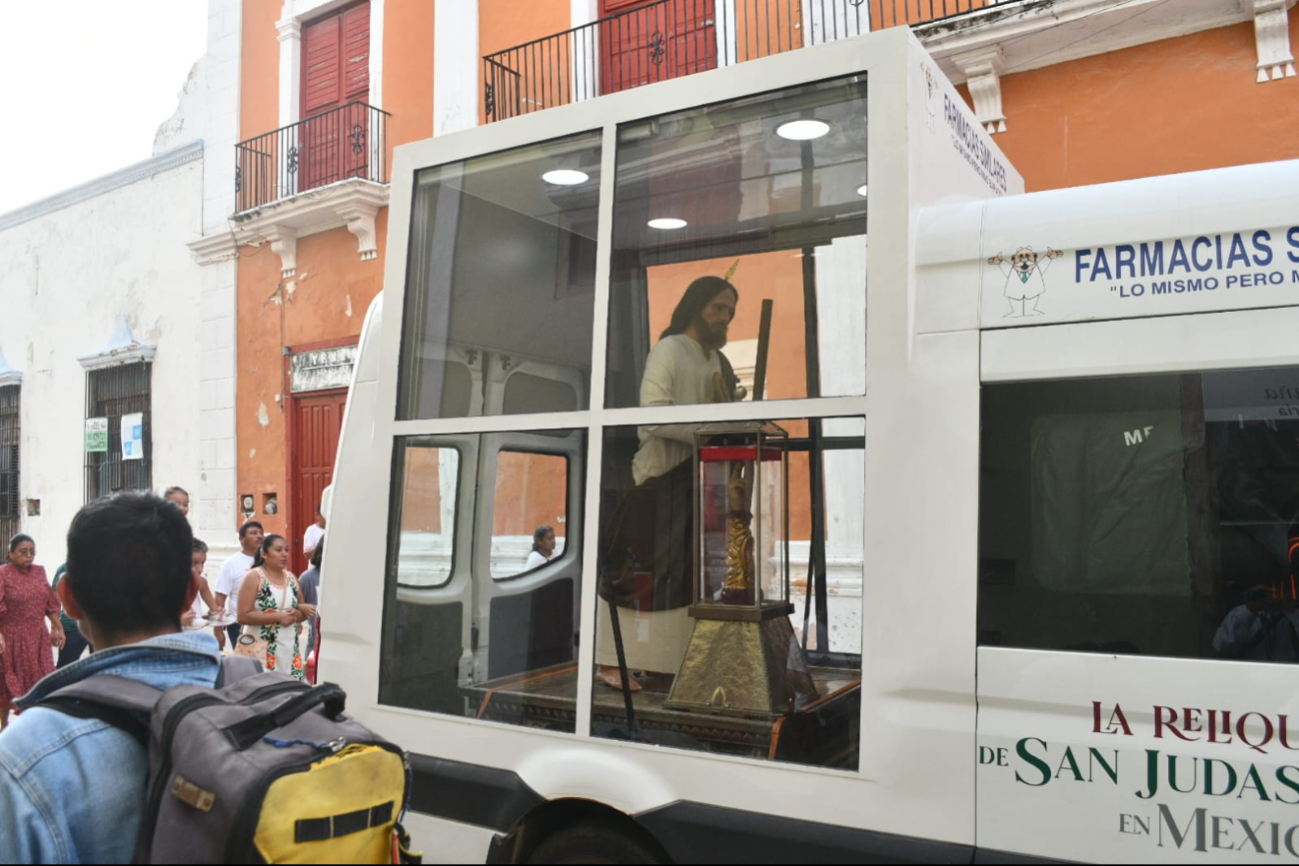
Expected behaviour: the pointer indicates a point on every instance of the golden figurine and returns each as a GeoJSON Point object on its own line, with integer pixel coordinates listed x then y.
{"type": "Point", "coordinates": [739, 583]}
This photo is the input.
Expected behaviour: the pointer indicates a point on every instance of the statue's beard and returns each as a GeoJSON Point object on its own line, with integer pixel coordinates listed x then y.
{"type": "Point", "coordinates": [711, 336]}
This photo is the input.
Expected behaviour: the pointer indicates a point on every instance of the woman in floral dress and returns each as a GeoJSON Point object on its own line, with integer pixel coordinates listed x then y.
{"type": "Point", "coordinates": [270, 600]}
{"type": "Point", "coordinates": [25, 598]}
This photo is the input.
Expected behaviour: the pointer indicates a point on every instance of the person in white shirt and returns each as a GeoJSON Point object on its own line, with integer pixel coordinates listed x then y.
{"type": "Point", "coordinates": [231, 575]}
{"type": "Point", "coordinates": [543, 547]}
{"type": "Point", "coordinates": [312, 536]}
{"type": "Point", "coordinates": [646, 568]}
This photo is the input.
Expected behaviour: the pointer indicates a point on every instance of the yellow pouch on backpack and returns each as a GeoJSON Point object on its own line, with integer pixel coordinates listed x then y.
{"type": "Point", "coordinates": [341, 810]}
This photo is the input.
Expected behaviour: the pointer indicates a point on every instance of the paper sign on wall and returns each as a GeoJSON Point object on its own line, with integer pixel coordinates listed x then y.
{"type": "Point", "coordinates": [96, 435]}
{"type": "Point", "coordinates": [133, 436]}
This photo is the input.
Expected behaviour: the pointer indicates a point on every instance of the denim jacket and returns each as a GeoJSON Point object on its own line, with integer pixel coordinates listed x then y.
{"type": "Point", "coordinates": [73, 790]}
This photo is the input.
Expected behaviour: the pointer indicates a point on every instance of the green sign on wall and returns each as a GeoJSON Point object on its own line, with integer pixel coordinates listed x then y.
{"type": "Point", "coordinates": [96, 434]}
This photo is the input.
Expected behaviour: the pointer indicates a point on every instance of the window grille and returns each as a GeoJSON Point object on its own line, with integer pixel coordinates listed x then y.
{"type": "Point", "coordinates": [10, 442]}
{"type": "Point", "coordinates": [112, 393]}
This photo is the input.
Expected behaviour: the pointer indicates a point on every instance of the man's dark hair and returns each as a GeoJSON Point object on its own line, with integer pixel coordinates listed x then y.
{"type": "Point", "coordinates": [129, 562]}
{"type": "Point", "coordinates": [171, 490]}
{"type": "Point", "coordinates": [200, 546]}
{"type": "Point", "coordinates": [243, 530]}
{"type": "Point", "coordinates": [692, 303]}
{"type": "Point", "coordinates": [318, 553]}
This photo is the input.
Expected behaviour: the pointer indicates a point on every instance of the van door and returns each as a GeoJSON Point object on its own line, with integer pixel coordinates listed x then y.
{"type": "Point", "coordinates": [526, 618]}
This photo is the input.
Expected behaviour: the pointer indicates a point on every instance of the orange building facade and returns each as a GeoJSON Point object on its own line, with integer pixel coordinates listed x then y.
{"type": "Point", "coordinates": [1076, 91]}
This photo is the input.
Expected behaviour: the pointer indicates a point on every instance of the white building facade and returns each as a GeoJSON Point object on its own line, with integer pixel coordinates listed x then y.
{"type": "Point", "coordinates": [101, 319]}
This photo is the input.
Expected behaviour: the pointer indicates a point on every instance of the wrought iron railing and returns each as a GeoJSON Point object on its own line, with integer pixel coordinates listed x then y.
{"type": "Point", "coordinates": [344, 142]}
{"type": "Point", "coordinates": [672, 38]}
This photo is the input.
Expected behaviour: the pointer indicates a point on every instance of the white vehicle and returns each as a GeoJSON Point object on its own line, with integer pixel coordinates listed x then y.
{"type": "Point", "coordinates": [1043, 467]}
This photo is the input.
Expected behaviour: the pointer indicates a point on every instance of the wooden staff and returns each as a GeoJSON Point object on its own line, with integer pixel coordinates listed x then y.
{"type": "Point", "coordinates": [764, 343]}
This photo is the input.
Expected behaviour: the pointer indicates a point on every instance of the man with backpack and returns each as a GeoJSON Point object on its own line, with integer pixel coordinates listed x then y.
{"type": "Point", "coordinates": [155, 749]}
{"type": "Point", "coordinates": [73, 789]}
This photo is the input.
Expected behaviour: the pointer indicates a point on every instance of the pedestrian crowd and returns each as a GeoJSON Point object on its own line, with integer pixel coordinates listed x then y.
{"type": "Point", "coordinates": [132, 592]}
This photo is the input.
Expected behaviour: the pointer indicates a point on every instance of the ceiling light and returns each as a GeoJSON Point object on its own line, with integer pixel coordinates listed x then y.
{"type": "Point", "coordinates": [803, 130]}
{"type": "Point", "coordinates": [861, 190]}
{"type": "Point", "coordinates": [565, 177]}
{"type": "Point", "coordinates": [668, 223]}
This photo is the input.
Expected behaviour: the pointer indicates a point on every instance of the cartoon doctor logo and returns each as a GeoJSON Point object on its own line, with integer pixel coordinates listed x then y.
{"type": "Point", "coordinates": [1025, 283]}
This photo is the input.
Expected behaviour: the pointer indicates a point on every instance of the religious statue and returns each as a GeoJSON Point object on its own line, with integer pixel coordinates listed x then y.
{"type": "Point", "coordinates": [739, 585]}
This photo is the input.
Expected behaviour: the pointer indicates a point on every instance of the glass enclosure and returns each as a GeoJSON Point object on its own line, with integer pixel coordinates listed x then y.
{"type": "Point", "coordinates": [1153, 515]}
{"type": "Point", "coordinates": [767, 193]}
{"type": "Point", "coordinates": [729, 582]}
{"type": "Point", "coordinates": [501, 282]}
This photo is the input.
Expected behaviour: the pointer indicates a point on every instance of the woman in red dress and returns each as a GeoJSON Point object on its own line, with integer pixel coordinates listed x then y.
{"type": "Point", "coordinates": [25, 597]}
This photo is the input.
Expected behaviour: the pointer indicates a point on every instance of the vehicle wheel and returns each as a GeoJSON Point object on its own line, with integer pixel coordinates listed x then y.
{"type": "Point", "coordinates": [591, 842]}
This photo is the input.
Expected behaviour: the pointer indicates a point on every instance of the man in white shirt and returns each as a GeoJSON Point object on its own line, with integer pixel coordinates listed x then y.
{"type": "Point", "coordinates": [232, 574]}
{"type": "Point", "coordinates": [314, 533]}
{"type": "Point", "coordinates": [653, 528]}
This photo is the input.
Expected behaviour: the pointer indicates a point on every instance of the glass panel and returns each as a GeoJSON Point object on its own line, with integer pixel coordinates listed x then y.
{"type": "Point", "coordinates": [531, 509]}
{"type": "Point", "coordinates": [502, 273]}
{"type": "Point", "coordinates": [456, 639]}
{"type": "Point", "coordinates": [426, 543]}
{"type": "Point", "coordinates": [1150, 514]}
{"type": "Point", "coordinates": [766, 194]}
{"type": "Point", "coordinates": [691, 667]}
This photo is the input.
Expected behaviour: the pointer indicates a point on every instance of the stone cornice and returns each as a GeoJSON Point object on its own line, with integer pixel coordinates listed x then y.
{"type": "Point", "coordinates": [166, 161]}
{"type": "Point", "coordinates": [122, 348]}
{"type": "Point", "coordinates": [210, 249]}
{"type": "Point", "coordinates": [1036, 33]}
{"type": "Point", "coordinates": [353, 203]}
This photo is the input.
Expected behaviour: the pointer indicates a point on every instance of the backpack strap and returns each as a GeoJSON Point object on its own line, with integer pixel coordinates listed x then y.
{"type": "Point", "coordinates": [123, 703]}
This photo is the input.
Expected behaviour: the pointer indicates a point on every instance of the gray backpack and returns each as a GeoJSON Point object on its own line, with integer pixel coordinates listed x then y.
{"type": "Point", "coordinates": [260, 769]}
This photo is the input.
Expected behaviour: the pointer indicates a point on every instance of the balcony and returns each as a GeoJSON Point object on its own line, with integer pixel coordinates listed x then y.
{"type": "Point", "coordinates": [347, 142]}
{"type": "Point", "coordinates": [322, 173]}
{"type": "Point", "coordinates": [673, 38]}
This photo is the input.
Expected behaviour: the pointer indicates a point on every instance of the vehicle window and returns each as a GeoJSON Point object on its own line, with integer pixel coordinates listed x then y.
{"type": "Point", "coordinates": [469, 630]}
{"type": "Point", "coordinates": [502, 274]}
{"type": "Point", "coordinates": [1148, 515]}
{"type": "Point", "coordinates": [714, 666]}
{"type": "Point", "coordinates": [426, 503]}
{"type": "Point", "coordinates": [530, 512]}
{"type": "Point", "coordinates": [768, 195]}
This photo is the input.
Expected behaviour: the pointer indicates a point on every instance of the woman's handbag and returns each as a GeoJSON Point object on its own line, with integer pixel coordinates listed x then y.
{"type": "Point", "coordinates": [251, 644]}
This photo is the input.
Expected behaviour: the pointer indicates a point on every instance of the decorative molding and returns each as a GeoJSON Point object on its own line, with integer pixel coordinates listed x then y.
{"type": "Point", "coordinates": [360, 222]}
{"type": "Point", "coordinates": [122, 348]}
{"type": "Point", "coordinates": [290, 28]}
{"type": "Point", "coordinates": [982, 69]}
{"type": "Point", "coordinates": [143, 170]}
{"type": "Point", "coordinates": [284, 243]}
{"type": "Point", "coordinates": [210, 249]}
{"type": "Point", "coordinates": [8, 375]}
{"type": "Point", "coordinates": [353, 203]}
{"type": "Point", "coordinates": [1037, 33]}
{"type": "Point", "coordinates": [1272, 34]}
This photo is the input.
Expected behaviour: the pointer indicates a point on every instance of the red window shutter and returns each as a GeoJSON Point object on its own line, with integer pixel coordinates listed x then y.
{"type": "Point", "coordinates": [321, 76]}
{"type": "Point", "coordinates": [336, 60]}
{"type": "Point", "coordinates": [356, 53]}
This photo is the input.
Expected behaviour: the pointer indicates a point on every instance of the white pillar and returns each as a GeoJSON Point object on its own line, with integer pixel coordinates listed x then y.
{"type": "Point", "coordinates": [215, 509]}
{"type": "Point", "coordinates": [290, 37]}
{"type": "Point", "coordinates": [456, 65]}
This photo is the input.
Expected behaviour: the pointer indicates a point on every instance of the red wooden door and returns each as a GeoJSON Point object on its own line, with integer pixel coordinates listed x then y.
{"type": "Point", "coordinates": [317, 420]}
{"type": "Point", "coordinates": [644, 42]}
{"type": "Point", "coordinates": [333, 144]}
